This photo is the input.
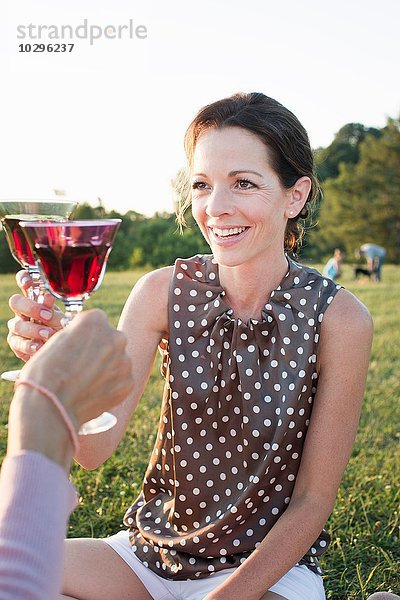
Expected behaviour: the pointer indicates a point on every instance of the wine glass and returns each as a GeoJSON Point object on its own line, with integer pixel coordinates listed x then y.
{"type": "Point", "coordinates": [11, 213]}
{"type": "Point", "coordinates": [72, 258]}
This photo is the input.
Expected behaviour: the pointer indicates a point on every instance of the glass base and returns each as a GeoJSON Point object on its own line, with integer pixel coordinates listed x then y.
{"type": "Point", "coordinates": [10, 375]}
{"type": "Point", "coordinates": [103, 422]}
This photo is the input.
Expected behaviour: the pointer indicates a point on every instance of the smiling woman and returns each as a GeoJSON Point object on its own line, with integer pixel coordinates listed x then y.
{"type": "Point", "coordinates": [285, 141]}
{"type": "Point", "coordinates": [242, 212]}
{"type": "Point", "coordinates": [262, 388]}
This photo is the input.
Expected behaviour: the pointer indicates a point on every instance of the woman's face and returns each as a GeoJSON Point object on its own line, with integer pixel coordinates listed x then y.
{"type": "Point", "coordinates": [237, 199]}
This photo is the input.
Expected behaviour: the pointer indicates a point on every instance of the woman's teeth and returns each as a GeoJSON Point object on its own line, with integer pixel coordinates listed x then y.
{"type": "Point", "coordinates": [227, 232]}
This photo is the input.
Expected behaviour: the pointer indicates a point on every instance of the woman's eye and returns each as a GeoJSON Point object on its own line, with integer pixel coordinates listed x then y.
{"type": "Point", "coordinates": [199, 185]}
{"type": "Point", "coordinates": [244, 184]}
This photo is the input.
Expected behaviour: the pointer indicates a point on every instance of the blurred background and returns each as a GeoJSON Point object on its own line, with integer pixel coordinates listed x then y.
{"type": "Point", "coordinates": [104, 124]}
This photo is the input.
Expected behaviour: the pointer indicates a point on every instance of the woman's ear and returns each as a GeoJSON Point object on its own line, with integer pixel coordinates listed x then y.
{"type": "Point", "coordinates": [297, 197]}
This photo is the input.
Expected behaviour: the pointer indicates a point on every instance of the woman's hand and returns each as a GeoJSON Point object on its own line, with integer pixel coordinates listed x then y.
{"type": "Point", "coordinates": [86, 365]}
{"type": "Point", "coordinates": [25, 336]}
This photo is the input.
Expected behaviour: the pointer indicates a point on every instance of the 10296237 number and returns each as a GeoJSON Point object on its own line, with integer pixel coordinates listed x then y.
{"type": "Point", "coordinates": [45, 47]}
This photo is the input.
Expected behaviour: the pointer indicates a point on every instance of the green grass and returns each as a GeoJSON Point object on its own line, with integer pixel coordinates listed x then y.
{"type": "Point", "coordinates": [364, 555]}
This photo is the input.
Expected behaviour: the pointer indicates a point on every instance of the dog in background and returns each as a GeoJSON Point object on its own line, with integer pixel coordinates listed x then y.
{"type": "Point", "coordinates": [360, 272]}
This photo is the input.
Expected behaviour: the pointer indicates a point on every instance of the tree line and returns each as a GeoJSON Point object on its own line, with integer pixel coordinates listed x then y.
{"type": "Point", "coordinates": [361, 196]}
{"type": "Point", "coordinates": [360, 179]}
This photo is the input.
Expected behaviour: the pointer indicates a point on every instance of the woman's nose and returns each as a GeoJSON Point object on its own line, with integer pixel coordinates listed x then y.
{"type": "Point", "coordinates": [220, 202]}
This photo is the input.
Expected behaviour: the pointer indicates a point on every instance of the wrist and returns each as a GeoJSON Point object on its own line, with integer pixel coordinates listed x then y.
{"type": "Point", "coordinates": [55, 382]}
{"type": "Point", "coordinates": [35, 424]}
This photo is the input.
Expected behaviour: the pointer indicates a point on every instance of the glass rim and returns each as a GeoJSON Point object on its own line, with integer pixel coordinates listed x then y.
{"type": "Point", "coordinates": [69, 223]}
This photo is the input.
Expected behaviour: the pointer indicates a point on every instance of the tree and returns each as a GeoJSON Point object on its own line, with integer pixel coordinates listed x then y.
{"type": "Point", "coordinates": [159, 242]}
{"type": "Point", "coordinates": [345, 148]}
{"type": "Point", "coordinates": [85, 211]}
{"type": "Point", "coordinates": [363, 202]}
{"type": "Point", "coordinates": [7, 263]}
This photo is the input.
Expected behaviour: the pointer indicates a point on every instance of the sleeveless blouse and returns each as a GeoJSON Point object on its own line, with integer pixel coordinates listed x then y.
{"type": "Point", "coordinates": [236, 407]}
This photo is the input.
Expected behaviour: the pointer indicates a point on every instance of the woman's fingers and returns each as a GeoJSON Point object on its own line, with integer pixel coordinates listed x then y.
{"type": "Point", "coordinates": [24, 281]}
{"type": "Point", "coordinates": [32, 326]}
{"type": "Point", "coordinates": [23, 348]}
{"type": "Point", "coordinates": [29, 329]}
{"type": "Point", "coordinates": [49, 301]}
{"type": "Point", "coordinates": [43, 313]}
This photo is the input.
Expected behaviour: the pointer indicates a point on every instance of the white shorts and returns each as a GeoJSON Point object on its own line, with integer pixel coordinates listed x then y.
{"type": "Point", "coordinates": [298, 584]}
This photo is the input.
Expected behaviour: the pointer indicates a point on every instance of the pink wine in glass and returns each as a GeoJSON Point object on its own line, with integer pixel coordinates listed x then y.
{"type": "Point", "coordinates": [72, 256]}
{"type": "Point", "coordinates": [72, 271]}
{"type": "Point", "coordinates": [13, 211]}
{"type": "Point", "coordinates": [17, 242]}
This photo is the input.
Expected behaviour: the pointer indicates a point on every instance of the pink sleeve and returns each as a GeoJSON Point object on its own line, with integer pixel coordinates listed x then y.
{"type": "Point", "coordinates": [36, 500]}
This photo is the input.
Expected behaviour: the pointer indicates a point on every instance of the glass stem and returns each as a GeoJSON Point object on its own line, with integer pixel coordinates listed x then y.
{"type": "Point", "coordinates": [73, 308]}
{"type": "Point", "coordinates": [37, 290]}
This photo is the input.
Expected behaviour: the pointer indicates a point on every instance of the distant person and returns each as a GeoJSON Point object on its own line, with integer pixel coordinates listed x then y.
{"type": "Point", "coordinates": [374, 255]}
{"type": "Point", "coordinates": [53, 397]}
{"type": "Point", "coordinates": [333, 268]}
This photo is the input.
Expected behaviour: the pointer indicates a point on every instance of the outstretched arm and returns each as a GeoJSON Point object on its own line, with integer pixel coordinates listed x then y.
{"type": "Point", "coordinates": [34, 475]}
{"type": "Point", "coordinates": [144, 320]}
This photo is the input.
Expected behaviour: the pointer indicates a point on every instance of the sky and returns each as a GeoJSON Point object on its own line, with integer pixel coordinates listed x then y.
{"type": "Point", "coordinates": [107, 119]}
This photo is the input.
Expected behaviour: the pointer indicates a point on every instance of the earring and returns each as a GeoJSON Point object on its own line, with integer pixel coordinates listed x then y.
{"type": "Point", "coordinates": [290, 212]}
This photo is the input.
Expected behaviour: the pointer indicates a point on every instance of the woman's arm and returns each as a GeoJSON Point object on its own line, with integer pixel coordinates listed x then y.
{"type": "Point", "coordinates": [144, 320]}
{"type": "Point", "coordinates": [345, 342]}
{"type": "Point", "coordinates": [34, 478]}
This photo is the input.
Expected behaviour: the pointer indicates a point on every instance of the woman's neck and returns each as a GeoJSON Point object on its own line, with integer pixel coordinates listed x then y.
{"type": "Point", "coordinates": [247, 288]}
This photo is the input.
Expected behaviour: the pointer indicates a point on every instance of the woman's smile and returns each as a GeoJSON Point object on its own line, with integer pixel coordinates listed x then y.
{"type": "Point", "coordinates": [227, 236]}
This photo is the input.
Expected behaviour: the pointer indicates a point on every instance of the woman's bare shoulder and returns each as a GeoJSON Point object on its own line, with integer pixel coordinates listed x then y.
{"type": "Point", "coordinates": [346, 310]}
{"type": "Point", "coordinates": [159, 279]}
{"type": "Point", "coordinates": [148, 300]}
{"type": "Point", "coordinates": [346, 334]}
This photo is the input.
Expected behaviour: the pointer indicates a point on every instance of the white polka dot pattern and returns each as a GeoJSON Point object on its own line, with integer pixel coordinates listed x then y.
{"type": "Point", "coordinates": [237, 404]}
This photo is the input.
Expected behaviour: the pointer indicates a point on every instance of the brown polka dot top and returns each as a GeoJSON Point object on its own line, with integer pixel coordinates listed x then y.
{"type": "Point", "coordinates": [236, 407]}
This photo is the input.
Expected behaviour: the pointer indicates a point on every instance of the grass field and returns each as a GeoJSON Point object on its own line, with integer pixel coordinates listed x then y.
{"type": "Point", "coordinates": [364, 555]}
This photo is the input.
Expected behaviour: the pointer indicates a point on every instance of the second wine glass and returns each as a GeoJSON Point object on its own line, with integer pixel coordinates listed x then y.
{"type": "Point", "coordinates": [14, 211]}
{"type": "Point", "coordinates": [11, 213]}
{"type": "Point", "coordinates": [72, 257]}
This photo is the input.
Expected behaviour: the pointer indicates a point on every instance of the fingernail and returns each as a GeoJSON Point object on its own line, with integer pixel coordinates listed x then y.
{"type": "Point", "coordinates": [25, 280]}
{"type": "Point", "coordinates": [44, 333]}
{"type": "Point", "coordinates": [46, 314]}
{"type": "Point", "coordinates": [34, 347]}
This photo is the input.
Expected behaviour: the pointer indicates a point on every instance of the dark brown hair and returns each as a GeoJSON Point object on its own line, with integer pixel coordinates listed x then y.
{"type": "Point", "coordinates": [290, 153]}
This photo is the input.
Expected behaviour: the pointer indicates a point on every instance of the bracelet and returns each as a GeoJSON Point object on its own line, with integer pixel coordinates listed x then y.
{"type": "Point", "coordinates": [56, 402]}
